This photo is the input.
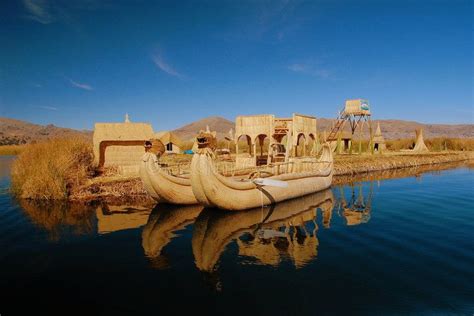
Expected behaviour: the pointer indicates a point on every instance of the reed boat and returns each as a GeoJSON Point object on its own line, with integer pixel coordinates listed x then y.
{"type": "Point", "coordinates": [163, 224]}
{"type": "Point", "coordinates": [267, 234]}
{"type": "Point", "coordinates": [171, 183]}
{"type": "Point", "coordinates": [167, 184]}
{"type": "Point", "coordinates": [281, 173]}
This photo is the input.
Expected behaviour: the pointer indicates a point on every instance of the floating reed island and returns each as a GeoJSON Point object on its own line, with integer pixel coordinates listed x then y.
{"type": "Point", "coordinates": [266, 160]}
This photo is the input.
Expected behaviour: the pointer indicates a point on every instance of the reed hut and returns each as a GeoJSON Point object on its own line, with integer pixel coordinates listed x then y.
{"type": "Point", "coordinates": [378, 140]}
{"type": "Point", "coordinates": [120, 145]}
{"type": "Point", "coordinates": [171, 141]}
{"type": "Point", "coordinates": [420, 145]}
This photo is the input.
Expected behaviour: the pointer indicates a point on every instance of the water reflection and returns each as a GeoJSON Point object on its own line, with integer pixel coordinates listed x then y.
{"type": "Point", "coordinates": [60, 218]}
{"type": "Point", "coordinates": [63, 219]}
{"type": "Point", "coordinates": [163, 222]}
{"type": "Point", "coordinates": [357, 207]}
{"type": "Point", "coordinates": [111, 218]}
{"type": "Point", "coordinates": [265, 235]}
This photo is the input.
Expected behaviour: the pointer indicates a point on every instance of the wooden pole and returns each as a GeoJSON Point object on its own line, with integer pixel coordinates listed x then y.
{"type": "Point", "coordinates": [338, 146]}
{"type": "Point", "coordinates": [371, 137]}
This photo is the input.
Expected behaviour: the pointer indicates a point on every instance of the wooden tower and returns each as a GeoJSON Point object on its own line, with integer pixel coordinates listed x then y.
{"type": "Point", "coordinates": [356, 112]}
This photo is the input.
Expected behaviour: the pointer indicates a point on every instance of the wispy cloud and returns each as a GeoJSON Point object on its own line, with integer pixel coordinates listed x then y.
{"type": "Point", "coordinates": [164, 66]}
{"type": "Point", "coordinates": [49, 108]}
{"type": "Point", "coordinates": [79, 85]}
{"type": "Point", "coordinates": [310, 69]}
{"type": "Point", "coordinates": [39, 11]}
{"type": "Point", "coordinates": [62, 11]}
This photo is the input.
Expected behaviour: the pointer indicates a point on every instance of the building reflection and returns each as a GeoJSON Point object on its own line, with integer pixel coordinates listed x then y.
{"type": "Point", "coordinates": [61, 219]}
{"type": "Point", "coordinates": [163, 223]}
{"type": "Point", "coordinates": [112, 218]}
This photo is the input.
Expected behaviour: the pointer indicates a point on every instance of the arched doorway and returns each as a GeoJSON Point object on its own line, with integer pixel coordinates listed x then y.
{"type": "Point", "coordinates": [263, 143]}
{"type": "Point", "coordinates": [311, 145]}
{"type": "Point", "coordinates": [300, 149]}
{"type": "Point", "coordinates": [244, 145]}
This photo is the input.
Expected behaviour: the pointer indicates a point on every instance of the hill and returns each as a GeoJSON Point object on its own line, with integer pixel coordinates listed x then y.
{"type": "Point", "coordinates": [391, 129]}
{"type": "Point", "coordinates": [14, 132]}
{"type": "Point", "coordinates": [215, 123]}
{"type": "Point", "coordinates": [19, 132]}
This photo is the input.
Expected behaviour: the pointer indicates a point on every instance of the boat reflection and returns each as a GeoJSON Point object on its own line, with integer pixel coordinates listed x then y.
{"type": "Point", "coordinates": [265, 235]}
{"type": "Point", "coordinates": [163, 222]}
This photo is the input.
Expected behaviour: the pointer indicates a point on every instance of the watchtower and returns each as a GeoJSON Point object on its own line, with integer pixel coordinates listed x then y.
{"type": "Point", "coordinates": [356, 112]}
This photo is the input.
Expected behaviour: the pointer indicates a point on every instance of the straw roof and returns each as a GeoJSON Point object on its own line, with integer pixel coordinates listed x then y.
{"type": "Point", "coordinates": [357, 107]}
{"type": "Point", "coordinates": [122, 131]}
{"type": "Point", "coordinates": [378, 137]}
{"type": "Point", "coordinates": [169, 137]}
{"type": "Point", "coordinates": [420, 143]}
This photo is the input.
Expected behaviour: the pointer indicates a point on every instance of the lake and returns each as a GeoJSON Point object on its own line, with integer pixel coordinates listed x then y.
{"type": "Point", "coordinates": [390, 247]}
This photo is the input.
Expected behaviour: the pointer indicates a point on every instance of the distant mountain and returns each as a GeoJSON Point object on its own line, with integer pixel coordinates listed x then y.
{"type": "Point", "coordinates": [20, 132]}
{"type": "Point", "coordinates": [396, 129]}
{"type": "Point", "coordinates": [391, 129]}
{"type": "Point", "coordinates": [215, 123]}
{"type": "Point", "coordinates": [14, 132]}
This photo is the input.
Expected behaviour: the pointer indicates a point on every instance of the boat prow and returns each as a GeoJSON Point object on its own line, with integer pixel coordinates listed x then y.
{"type": "Point", "coordinates": [164, 186]}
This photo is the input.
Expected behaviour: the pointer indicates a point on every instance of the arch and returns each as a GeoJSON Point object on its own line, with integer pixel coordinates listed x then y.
{"type": "Point", "coordinates": [311, 145]}
{"type": "Point", "coordinates": [262, 141]}
{"type": "Point", "coordinates": [239, 148]}
{"type": "Point", "coordinates": [300, 149]}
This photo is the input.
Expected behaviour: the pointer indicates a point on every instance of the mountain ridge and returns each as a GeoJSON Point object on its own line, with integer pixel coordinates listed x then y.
{"type": "Point", "coordinates": [13, 131]}
{"type": "Point", "coordinates": [391, 128]}
{"type": "Point", "coordinates": [17, 132]}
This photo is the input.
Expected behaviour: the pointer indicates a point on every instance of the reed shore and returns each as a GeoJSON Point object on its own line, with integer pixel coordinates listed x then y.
{"type": "Point", "coordinates": [359, 164]}
{"type": "Point", "coordinates": [347, 169]}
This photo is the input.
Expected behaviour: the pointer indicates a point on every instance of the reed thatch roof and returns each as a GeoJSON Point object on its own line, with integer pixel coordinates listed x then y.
{"type": "Point", "coordinates": [357, 107]}
{"type": "Point", "coordinates": [378, 137]}
{"type": "Point", "coordinates": [420, 143]}
{"type": "Point", "coordinates": [167, 137]}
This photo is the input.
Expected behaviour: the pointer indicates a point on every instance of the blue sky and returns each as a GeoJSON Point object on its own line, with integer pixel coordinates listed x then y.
{"type": "Point", "coordinates": [73, 63]}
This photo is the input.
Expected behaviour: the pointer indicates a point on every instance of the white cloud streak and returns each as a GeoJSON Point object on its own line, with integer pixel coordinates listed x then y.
{"type": "Point", "coordinates": [82, 86]}
{"type": "Point", "coordinates": [308, 69]}
{"type": "Point", "coordinates": [49, 108]}
{"type": "Point", "coordinates": [164, 66]}
{"type": "Point", "coordinates": [39, 11]}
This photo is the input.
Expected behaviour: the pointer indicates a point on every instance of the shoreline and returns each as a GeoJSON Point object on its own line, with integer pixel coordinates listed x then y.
{"type": "Point", "coordinates": [352, 165]}
{"type": "Point", "coordinates": [347, 169]}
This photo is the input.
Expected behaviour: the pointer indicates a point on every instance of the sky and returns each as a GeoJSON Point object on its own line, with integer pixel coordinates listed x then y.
{"type": "Point", "coordinates": [74, 63]}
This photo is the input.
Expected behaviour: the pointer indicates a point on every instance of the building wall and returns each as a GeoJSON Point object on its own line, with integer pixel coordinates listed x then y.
{"type": "Point", "coordinates": [123, 155]}
{"type": "Point", "coordinates": [119, 131]}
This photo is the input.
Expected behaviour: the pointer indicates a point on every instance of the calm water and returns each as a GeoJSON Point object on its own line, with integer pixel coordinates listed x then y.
{"type": "Point", "coordinates": [399, 246]}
